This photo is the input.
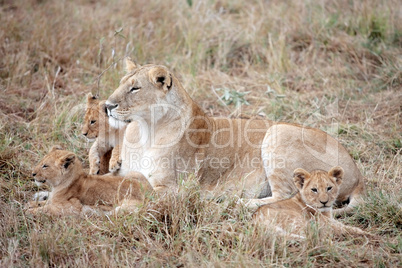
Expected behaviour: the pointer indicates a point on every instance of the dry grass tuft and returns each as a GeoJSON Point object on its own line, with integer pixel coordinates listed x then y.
{"type": "Point", "coordinates": [335, 65]}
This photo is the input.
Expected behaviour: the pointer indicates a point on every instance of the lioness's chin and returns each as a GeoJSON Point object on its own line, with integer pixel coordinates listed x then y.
{"type": "Point", "coordinates": [114, 116]}
{"type": "Point", "coordinates": [91, 139]}
{"type": "Point", "coordinates": [116, 123]}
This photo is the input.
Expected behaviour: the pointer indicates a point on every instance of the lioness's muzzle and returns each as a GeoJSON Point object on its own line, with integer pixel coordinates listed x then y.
{"type": "Point", "coordinates": [110, 107]}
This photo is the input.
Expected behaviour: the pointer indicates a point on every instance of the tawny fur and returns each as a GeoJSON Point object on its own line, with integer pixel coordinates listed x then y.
{"type": "Point", "coordinates": [317, 192]}
{"type": "Point", "coordinates": [104, 155]}
{"type": "Point", "coordinates": [253, 158]}
{"type": "Point", "coordinates": [73, 190]}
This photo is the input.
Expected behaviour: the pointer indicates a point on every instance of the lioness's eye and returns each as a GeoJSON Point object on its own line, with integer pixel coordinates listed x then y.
{"type": "Point", "coordinates": [45, 166]}
{"type": "Point", "coordinates": [93, 122]}
{"type": "Point", "coordinates": [314, 190]}
{"type": "Point", "coordinates": [134, 89]}
{"type": "Point", "coordinates": [329, 188]}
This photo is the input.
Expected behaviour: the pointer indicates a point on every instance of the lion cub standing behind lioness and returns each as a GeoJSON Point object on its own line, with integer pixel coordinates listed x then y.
{"type": "Point", "coordinates": [96, 127]}
{"type": "Point", "coordinates": [318, 191]}
{"type": "Point", "coordinates": [73, 189]}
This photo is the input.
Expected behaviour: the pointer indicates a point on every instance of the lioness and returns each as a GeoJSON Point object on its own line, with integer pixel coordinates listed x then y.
{"type": "Point", "coordinates": [317, 193]}
{"type": "Point", "coordinates": [169, 133]}
{"type": "Point", "coordinates": [72, 189]}
{"type": "Point", "coordinates": [104, 155]}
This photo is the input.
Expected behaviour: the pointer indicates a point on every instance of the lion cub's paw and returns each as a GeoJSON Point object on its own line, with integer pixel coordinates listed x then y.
{"type": "Point", "coordinates": [31, 211]}
{"type": "Point", "coordinates": [94, 167]}
{"type": "Point", "coordinates": [34, 207]}
{"type": "Point", "coordinates": [250, 203]}
{"type": "Point", "coordinates": [94, 170]}
{"type": "Point", "coordinates": [94, 163]}
{"type": "Point", "coordinates": [34, 204]}
{"type": "Point", "coordinates": [41, 196]}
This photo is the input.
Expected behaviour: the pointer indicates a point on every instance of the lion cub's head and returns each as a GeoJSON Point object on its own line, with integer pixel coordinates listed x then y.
{"type": "Point", "coordinates": [56, 167]}
{"type": "Point", "coordinates": [93, 117]}
{"type": "Point", "coordinates": [319, 189]}
{"type": "Point", "coordinates": [140, 90]}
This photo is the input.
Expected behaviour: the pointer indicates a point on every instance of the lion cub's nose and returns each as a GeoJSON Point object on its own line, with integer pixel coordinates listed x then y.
{"type": "Point", "coordinates": [110, 107]}
{"type": "Point", "coordinates": [324, 202]}
{"type": "Point", "coordinates": [33, 174]}
{"type": "Point", "coordinates": [85, 134]}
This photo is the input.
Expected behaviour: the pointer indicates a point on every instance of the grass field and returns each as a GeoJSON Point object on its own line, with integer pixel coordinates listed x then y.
{"type": "Point", "coordinates": [334, 65]}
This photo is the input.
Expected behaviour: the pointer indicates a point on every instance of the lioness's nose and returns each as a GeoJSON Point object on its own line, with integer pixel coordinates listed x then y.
{"type": "Point", "coordinates": [85, 134]}
{"type": "Point", "coordinates": [110, 107]}
{"type": "Point", "coordinates": [33, 174]}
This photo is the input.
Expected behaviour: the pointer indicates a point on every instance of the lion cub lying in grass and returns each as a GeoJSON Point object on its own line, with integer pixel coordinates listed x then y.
{"type": "Point", "coordinates": [73, 190]}
{"type": "Point", "coordinates": [318, 191]}
{"type": "Point", "coordinates": [96, 127]}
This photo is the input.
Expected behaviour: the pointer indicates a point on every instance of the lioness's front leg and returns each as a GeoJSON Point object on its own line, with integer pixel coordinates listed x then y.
{"type": "Point", "coordinates": [280, 186]}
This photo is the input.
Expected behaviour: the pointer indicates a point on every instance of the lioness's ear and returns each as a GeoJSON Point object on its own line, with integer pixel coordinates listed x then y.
{"type": "Point", "coordinates": [55, 147]}
{"type": "Point", "coordinates": [337, 173]}
{"type": "Point", "coordinates": [299, 176]}
{"type": "Point", "coordinates": [130, 65]}
{"type": "Point", "coordinates": [161, 78]}
{"type": "Point", "coordinates": [66, 160]}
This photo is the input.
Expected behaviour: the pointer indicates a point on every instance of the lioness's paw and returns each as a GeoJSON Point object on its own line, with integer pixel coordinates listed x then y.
{"type": "Point", "coordinates": [114, 166]}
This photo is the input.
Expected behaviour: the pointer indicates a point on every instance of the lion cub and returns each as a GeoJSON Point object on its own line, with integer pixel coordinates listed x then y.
{"type": "Point", "coordinates": [73, 190]}
{"type": "Point", "coordinates": [97, 127]}
{"type": "Point", "coordinates": [318, 191]}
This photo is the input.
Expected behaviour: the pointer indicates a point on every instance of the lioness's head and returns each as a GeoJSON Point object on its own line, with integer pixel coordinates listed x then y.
{"type": "Point", "coordinates": [139, 89]}
{"type": "Point", "coordinates": [92, 119]}
{"type": "Point", "coordinates": [319, 189]}
{"type": "Point", "coordinates": [56, 167]}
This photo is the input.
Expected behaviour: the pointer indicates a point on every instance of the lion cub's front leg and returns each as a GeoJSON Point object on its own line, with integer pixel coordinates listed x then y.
{"type": "Point", "coordinates": [94, 158]}
{"type": "Point", "coordinates": [115, 160]}
{"type": "Point", "coordinates": [71, 207]}
{"type": "Point", "coordinates": [341, 229]}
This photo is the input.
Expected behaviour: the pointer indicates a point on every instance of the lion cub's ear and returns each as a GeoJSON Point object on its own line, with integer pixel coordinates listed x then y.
{"type": "Point", "coordinates": [299, 176]}
{"type": "Point", "coordinates": [66, 160]}
{"type": "Point", "coordinates": [337, 173]}
{"type": "Point", "coordinates": [130, 65]}
{"type": "Point", "coordinates": [102, 107]}
{"type": "Point", "coordinates": [161, 78]}
{"type": "Point", "coordinates": [55, 148]}
{"type": "Point", "coordinates": [91, 97]}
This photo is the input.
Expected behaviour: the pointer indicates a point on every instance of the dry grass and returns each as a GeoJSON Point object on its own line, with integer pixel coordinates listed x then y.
{"type": "Point", "coordinates": [335, 65]}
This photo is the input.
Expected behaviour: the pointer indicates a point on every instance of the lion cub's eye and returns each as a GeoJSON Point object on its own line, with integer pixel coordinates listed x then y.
{"type": "Point", "coordinates": [134, 89]}
{"type": "Point", "coordinates": [93, 122]}
{"type": "Point", "coordinates": [45, 166]}
{"type": "Point", "coordinates": [329, 188]}
{"type": "Point", "coordinates": [314, 190]}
